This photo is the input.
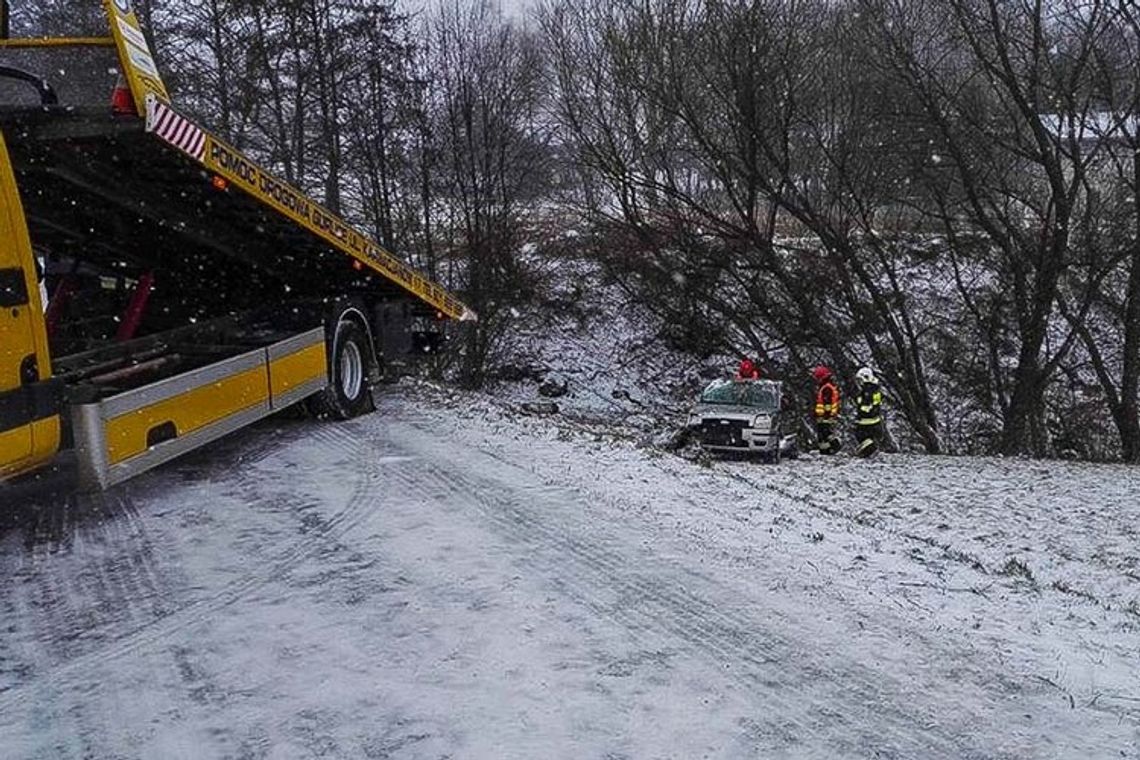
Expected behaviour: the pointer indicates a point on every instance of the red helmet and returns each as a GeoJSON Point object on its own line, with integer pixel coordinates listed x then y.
{"type": "Point", "coordinates": [746, 366]}
{"type": "Point", "coordinates": [821, 373]}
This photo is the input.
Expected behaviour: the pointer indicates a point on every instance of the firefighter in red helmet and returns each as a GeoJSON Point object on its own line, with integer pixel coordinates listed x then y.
{"type": "Point", "coordinates": [826, 410]}
{"type": "Point", "coordinates": [747, 370]}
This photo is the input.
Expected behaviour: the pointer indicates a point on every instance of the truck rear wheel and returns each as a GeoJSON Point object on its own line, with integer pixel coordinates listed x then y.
{"type": "Point", "coordinates": [349, 392]}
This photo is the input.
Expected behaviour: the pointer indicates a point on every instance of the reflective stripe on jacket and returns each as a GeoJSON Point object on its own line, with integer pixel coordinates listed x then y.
{"type": "Point", "coordinates": [827, 401]}
{"type": "Point", "coordinates": [870, 405]}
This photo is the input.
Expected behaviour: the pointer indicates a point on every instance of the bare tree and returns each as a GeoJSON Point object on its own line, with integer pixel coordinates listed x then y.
{"type": "Point", "coordinates": [740, 142]}
{"type": "Point", "coordinates": [486, 105]}
{"type": "Point", "coordinates": [1111, 332]}
{"type": "Point", "coordinates": [1006, 92]}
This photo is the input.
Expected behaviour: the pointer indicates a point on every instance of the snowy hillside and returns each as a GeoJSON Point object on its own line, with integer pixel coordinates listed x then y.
{"type": "Point", "coordinates": [1053, 527]}
{"type": "Point", "coordinates": [587, 336]}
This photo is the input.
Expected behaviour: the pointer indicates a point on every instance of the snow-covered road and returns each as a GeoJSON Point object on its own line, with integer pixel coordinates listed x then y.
{"type": "Point", "coordinates": [444, 579]}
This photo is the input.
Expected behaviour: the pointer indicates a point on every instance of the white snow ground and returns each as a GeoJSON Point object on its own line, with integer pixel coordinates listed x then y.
{"type": "Point", "coordinates": [450, 579]}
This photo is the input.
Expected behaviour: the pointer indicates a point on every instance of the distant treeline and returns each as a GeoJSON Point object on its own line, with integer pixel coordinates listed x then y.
{"type": "Point", "coordinates": [944, 189]}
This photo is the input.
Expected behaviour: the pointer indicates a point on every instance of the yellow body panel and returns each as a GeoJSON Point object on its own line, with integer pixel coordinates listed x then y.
{"type": "Point", "coordinates": [134, 54]}
{"type": "Point", "coordinates": [46, 439]}
{"type": "Point", "coordinates": [22, 332]}
{"type": "Point", "coordinates": [15, 448]}
{"type": "Point", "coordinates": [127, 435]}
{"type": "Point", "coordinates": [298, 369]}
{"type": "Point", "coordinates": [44, 433]}
{"type": "Point", "coordinates": [21, 328]}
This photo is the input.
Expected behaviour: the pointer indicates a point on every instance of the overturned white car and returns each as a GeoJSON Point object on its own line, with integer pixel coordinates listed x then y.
{"type": "Point", "coordinates": [744, 416]}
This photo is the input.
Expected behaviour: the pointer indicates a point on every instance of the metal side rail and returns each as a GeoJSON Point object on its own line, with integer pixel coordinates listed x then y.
{"type": "Point", "coordinates": [130, 433]}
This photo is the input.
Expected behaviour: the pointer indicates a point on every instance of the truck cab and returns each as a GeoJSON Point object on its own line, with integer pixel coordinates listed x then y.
{"type": "Point", "coordinates": [29, 404]}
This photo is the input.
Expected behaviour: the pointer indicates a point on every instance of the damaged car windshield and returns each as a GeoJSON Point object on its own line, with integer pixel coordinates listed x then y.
{"type": "Point", "coordinates": [760, 396]}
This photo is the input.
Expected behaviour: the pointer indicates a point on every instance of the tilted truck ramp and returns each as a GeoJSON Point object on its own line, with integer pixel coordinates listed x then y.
{"type": "Point", "coordinates": [154, 187]}
{"type": "Point", "coordinates": [230, 169]}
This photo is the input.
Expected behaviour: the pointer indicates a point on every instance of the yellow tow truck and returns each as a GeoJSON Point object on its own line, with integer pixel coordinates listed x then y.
{"type": "Point", "coordinates": [160, 289]}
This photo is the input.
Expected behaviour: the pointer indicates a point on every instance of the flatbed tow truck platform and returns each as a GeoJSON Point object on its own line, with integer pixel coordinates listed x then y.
{"type": "Point", "coordinates": [159, 288]}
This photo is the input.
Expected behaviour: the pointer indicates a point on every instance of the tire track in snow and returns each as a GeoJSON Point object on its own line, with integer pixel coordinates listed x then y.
{"type": "Point", "coordinates": [80, 668]}
{"type": "Point", "coordinates": [89, 566]}
{"type": "Point", "coordinates": [853, 705]}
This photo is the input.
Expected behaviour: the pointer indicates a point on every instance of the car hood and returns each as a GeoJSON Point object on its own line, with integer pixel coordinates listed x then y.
{"type": "Point", "coordinates": [730, 411]}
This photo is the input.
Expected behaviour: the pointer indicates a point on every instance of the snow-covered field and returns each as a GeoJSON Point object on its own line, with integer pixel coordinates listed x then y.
{"type": "Point", "coordinates": [449, 578]}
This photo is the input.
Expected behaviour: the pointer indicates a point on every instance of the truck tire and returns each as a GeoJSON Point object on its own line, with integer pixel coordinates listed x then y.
{"type": "Point", "coordinates": [349, 392]}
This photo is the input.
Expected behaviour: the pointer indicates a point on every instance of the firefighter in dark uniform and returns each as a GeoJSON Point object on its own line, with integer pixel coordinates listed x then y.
{"type": "Point", "coordinates": [826, 410]}
{"type": "Point", "coordinates": [869, 413]}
